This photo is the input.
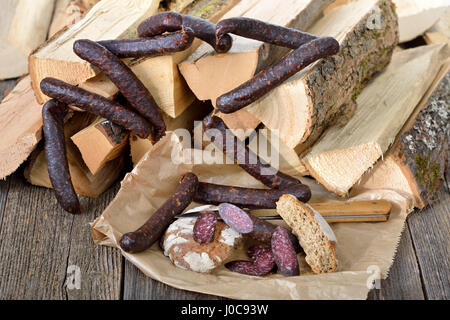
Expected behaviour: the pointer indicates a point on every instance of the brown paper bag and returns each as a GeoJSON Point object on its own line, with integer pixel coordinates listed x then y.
{"type": "Point", "coordinates": [365, 251]}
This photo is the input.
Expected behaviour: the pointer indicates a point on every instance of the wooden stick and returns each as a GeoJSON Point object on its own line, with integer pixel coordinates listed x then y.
{"type": "Point", "coordinates": [106, 20]}
{"type": "Point", "coordinates": [336, 211]}
{"type": "Point", "coordinates": [23, 26]}
{"type": "Point", "coordinates": [416, 163]}
{"type": "Point", "coordinates": [209, 75]}
{"type": "Point", "coordinates": [344, 154]}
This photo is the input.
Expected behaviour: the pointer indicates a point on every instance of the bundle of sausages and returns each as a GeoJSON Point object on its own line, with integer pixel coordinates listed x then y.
{"type": "Point", "coordinates": [284, 245]}
{"type": "Point", "coordinates": [169, 32]}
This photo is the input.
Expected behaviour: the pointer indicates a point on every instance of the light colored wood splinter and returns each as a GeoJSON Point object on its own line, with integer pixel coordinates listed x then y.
{"type": "Point", "coordinates": [20, 126]}
{"type": "Point", "coordinates": [110, 19]}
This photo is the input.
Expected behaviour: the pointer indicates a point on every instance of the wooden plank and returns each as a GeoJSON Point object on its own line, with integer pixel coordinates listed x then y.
{"type": "Point", "coordinates": [429, 231]}
{"type": "Point", "coordinates": [39, 242]}
{"type": "Point", "coordinates": [137, 286]}
{"type": "Point", "coordinates": [403, 281]}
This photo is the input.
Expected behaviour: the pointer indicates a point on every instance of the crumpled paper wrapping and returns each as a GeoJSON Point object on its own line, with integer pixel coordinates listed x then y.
{"type": "Point", "coordinates": [363, 249]}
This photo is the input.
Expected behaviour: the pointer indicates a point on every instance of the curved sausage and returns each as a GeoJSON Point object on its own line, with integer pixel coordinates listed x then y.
{"type": "Point", "coordinates": [127, 82]}
{"type": "Point", "coordinates": [158, 45]}
{"type": "Point", "coordinates": [247, 197]}
{"type": "Point", "coordinates": [263, 31]}
{"type": "Point", "coordinates": [154, 227]}
{"type": "Point", "coordinates": [172, 21]}
{"type": "Point", "coordinates": [274, 75]}
{"type": "Point", "coordinates": [96, 104]}
{"type": "Point", "coordinates": [53, 113]}
{"type": "Point", "coordinates": [277, 180]}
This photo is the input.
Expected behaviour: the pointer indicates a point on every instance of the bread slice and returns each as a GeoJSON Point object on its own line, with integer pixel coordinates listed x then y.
{"type": "Point", "coordinates": [314, 234]}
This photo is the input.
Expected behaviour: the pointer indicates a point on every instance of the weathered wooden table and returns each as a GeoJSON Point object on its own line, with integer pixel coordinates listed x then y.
{"type": "Point", "coordinates": [41, 246]}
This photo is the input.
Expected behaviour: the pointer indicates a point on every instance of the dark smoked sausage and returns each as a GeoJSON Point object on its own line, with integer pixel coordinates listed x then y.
{"type": "Point", "coordinates": [172, 21]}
{"type": "Point", "coordinates": [247, 197]}
{"type": "Point", "coordinates": [96, 104]}
{"type": "Point", "coordinates": [275, 179]}
{"type": "Point", "coordinates": [154, 227]}
{"type": "Point", "coordinates": [143, 47]}
{"type": "Point", "coordinates": [53, 113]}
{"type": "Point", "coordinates": [263, 31]}
{"type": "Point", "coordinates": [274, 75]}
{"type": "Point", "coordinates": [127, 82]}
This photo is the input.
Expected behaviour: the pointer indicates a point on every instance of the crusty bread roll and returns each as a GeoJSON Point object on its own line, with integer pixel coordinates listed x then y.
{"type": "Point", "coordinates": [179, 245]}
{"type": "Point", "coordinates": [314, 234]}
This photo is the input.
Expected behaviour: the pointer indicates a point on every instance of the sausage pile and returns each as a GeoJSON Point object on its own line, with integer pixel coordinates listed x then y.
{"type": "Point", "coordinates": [169, 32]}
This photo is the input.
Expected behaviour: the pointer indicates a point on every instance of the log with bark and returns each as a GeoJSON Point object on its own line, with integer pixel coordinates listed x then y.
{"type": "Point", "coordinates": [343, 154]}
{"type": "Point", "coordinates": [84, 182]}
{"type": "Point", "coordinates": [209, 75]}
{"type": "Point", "coordinates": [23, 26]}
{"type": "Point", "coordinates": [325, 92]}
{"type": "Point", "coordinates": [20, 126]}
{"type": "Point", "coordinates": [160, 75]}
{"type": "Point", "coordinates": [106, 20]}
{"type": "Point", "coordinates": [416, 163]}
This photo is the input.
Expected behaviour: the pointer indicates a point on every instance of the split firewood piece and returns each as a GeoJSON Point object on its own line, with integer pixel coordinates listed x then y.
{"type": "Point", "coordinates": [440, 32]}
{"type": "Point", "coordinates": [20, 129]}
{"type": "Point", "coordinates": [106, 20]}
{"type": "Point", "coordinates": [417, 16]}
{"type": "Point", "coordinates": [68, 12]}
{"type": "Point", "coordinates": [23, 26]}
{"type": "Point", "coordinates": [210, 75]}
{"type": "Point", "coordinates": [160, 74]}
{"type": "Point", "coordinates": [84, 182]}
{"type": "Point", "coordinates": [417, 161]}
{"type": "Point", "coordinates": [100, 142]}
{"type": "Point", "coordinates": [344, 154]}
{"type": "Point", "coordinates": [196, 112]}
{"type": "Point", "coordinates": [325, 92]}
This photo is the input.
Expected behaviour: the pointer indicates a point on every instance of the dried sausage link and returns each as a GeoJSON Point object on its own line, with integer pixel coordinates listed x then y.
{"type": "Point", "coordinates": [248, 197]}
{"type": "Point", "coordinates": [96, 104]}
{"type": "Point", "coordinates": [154, 227]}
{"type": "Point", "coordinates": [277, 179]}
{"type": "Point", "coordinates": [53, 113]}
{"type": "Point", "coordinates": [127, 82]}
{"type": "Point", "coordinates": [263, 31]}
{"type": "Point", "coordinates": [172, 21]}
{"type": "Point", "coordinates": [158, 45]}
{"type": "Point", "coordinates": [274, 75]}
